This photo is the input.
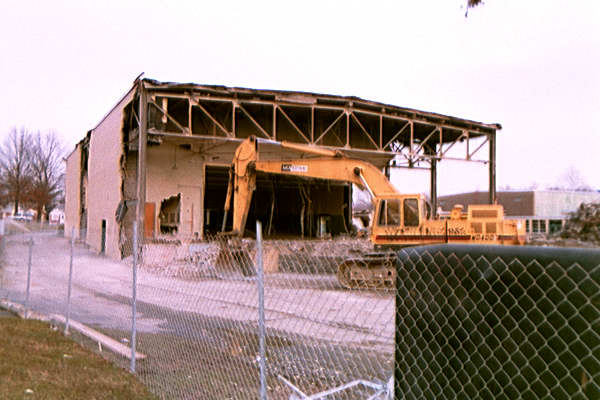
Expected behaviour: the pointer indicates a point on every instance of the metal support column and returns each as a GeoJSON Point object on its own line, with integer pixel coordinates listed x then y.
{"type": "Point", "coordinates": [141, 162]}
{"type": "Point", "coordinates": [492, 171]}
{"type": "Point", "coordinates": [202, 192]}
{"type": "Point", "coordinates": [433, 187]}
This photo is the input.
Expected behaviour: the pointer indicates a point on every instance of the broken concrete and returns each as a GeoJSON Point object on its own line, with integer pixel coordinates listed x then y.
{"type": "Point", "coordinates": [582, 229]}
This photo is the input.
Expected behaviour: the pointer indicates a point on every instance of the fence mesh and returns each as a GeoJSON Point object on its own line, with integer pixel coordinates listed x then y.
{"type": "Point", "coordinates": [318, 334]}
{"type": "Point", "coordinates": [498, 323]}
{"type": "Point", "coordinates": [461, 322]}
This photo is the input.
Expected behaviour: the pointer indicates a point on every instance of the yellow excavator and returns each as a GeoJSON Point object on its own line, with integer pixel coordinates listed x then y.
{"type": "Point", "coordinates": [400, 220]}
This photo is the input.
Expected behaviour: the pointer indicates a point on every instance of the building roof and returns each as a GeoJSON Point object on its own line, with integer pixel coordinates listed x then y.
{"type": "Point", "coordinates": [309, 98]}
{"type": "Point", "coordinates": [191, 114]}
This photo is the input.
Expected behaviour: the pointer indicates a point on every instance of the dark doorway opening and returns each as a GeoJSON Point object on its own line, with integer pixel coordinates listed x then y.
{"type": "Point", "coordinates": [103, 239]}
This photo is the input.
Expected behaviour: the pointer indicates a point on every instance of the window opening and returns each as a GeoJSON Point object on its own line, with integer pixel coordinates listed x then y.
{"type": "Point", "coordinates": [169, 214]}
{"type": "Point", "coordinates": [411, 212]}
{"type": "Point", "coordinates": [389, 213]}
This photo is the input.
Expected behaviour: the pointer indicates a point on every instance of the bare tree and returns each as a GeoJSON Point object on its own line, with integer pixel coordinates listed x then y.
{"type": "Point", "coordinates": [572, 179]}
{"type": "Point", "coordinates": [47, 172]}
{"type": "Point", "coordinates": [15, 166]}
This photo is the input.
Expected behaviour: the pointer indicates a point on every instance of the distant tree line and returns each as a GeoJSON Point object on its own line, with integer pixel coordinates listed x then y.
{"type": "Point", "coordinates": [31, 171]}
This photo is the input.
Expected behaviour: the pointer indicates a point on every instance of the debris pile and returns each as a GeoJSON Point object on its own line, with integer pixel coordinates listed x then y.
{"type": "Point", "coordinates": [583, 224]}
{"type": "Point", "coordinates": [181, 259]}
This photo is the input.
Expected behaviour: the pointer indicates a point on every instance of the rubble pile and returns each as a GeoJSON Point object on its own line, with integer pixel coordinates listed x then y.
{"type": "Point", "coordinates": [583, 224]}
{"type": "Point", "coordinates": [181, 259]}
{"type": "Point", "coordinates": [337, 247]}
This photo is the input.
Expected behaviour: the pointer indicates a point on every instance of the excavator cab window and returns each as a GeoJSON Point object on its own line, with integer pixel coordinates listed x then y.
{"type": "Point", "coordinates": [389, 212]}
{"type": "Point", "coordinates": [411, 212]}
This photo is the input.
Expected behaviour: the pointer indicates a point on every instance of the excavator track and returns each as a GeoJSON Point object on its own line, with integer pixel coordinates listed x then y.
{"type": "Point", "coordinates": [371, 271]}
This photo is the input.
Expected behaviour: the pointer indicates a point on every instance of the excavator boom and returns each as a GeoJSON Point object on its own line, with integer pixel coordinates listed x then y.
{"type": "Point", "coordinates": [328, 165]}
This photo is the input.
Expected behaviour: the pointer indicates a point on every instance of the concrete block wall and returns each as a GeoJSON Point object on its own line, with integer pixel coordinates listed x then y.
{"type": "Point", "coordinates": [105, 179]}
{"type": "Point", "coordinates": [72, 190]}
{"type": "Point", "coordinates": [173, 170]}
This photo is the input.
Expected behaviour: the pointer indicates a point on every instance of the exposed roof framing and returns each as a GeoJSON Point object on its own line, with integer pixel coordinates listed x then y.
{"type": "Point", "coordinates": [366, 129]}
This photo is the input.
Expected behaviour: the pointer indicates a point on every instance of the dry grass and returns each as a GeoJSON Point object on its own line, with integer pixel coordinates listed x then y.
{"type": "Point", "coordinates": [38, 362]}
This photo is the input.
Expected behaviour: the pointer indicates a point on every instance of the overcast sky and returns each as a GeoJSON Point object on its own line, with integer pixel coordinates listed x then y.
{"type": "Point", "coordinates": [532, 66]}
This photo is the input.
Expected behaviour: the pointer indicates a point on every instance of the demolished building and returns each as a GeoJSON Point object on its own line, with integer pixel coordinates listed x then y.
{"type": "Point", "coordinates": [183, 137]}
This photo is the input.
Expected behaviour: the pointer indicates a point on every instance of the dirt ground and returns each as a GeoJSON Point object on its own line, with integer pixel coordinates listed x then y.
{"type": "Point", "coordinates": [318, 335]}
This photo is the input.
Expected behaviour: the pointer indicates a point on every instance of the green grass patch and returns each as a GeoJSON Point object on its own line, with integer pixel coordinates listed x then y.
{"type": "Point", "coordinates": [38, 362]}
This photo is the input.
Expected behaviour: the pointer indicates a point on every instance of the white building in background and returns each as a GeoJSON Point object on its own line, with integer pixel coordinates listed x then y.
{"type": "Point", "coordinates": [544, 211]}
{"type": "Point", "coordinates": [56, 216]}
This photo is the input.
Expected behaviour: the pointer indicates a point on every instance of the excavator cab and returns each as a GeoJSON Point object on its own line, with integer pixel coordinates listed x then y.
{"type": "Point", "coordinates": [400, 221]}
{"type": "Point", "coordinates": [400, 212]}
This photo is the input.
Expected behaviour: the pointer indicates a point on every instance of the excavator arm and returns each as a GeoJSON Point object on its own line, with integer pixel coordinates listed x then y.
{"type": "Point", "coordinates": [327, 164]}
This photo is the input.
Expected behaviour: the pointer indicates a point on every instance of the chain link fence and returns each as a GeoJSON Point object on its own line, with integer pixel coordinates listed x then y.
{"type": "Point", "coordinates": [317, 337]}
{"type": "Point", "coordinates": [463, 323]}
{"type": "Point", "coordinates": [498, 322]}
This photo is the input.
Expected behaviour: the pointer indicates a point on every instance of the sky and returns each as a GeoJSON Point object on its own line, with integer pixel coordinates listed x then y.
{"type": "Point", "coordinates": [532, 66]}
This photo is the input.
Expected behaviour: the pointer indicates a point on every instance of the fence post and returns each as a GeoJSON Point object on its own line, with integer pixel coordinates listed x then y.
{"type": "Point", "coordinates": [68, 318]}
{"type": "Point", "coordinates": [261, 311]}
{"type": "Point", "coordinates": [134, 296]}
{"type": "Point", "coordinates": [28, 277]}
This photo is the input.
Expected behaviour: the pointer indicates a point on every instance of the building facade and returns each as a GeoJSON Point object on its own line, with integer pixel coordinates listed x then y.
{"type": "Point", "coordinates": [161, 157]}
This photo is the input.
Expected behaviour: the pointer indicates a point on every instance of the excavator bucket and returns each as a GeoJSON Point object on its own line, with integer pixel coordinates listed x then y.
{"type": "Point", "coordinates": [234, 258]}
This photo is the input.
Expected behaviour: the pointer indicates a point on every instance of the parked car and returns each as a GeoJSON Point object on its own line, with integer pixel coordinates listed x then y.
{"type": "Point", "coordinates": [22, 217]}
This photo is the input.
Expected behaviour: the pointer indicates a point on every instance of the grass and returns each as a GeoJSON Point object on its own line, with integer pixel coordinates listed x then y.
{"type": "Point", "coordinates": [38, 362]}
